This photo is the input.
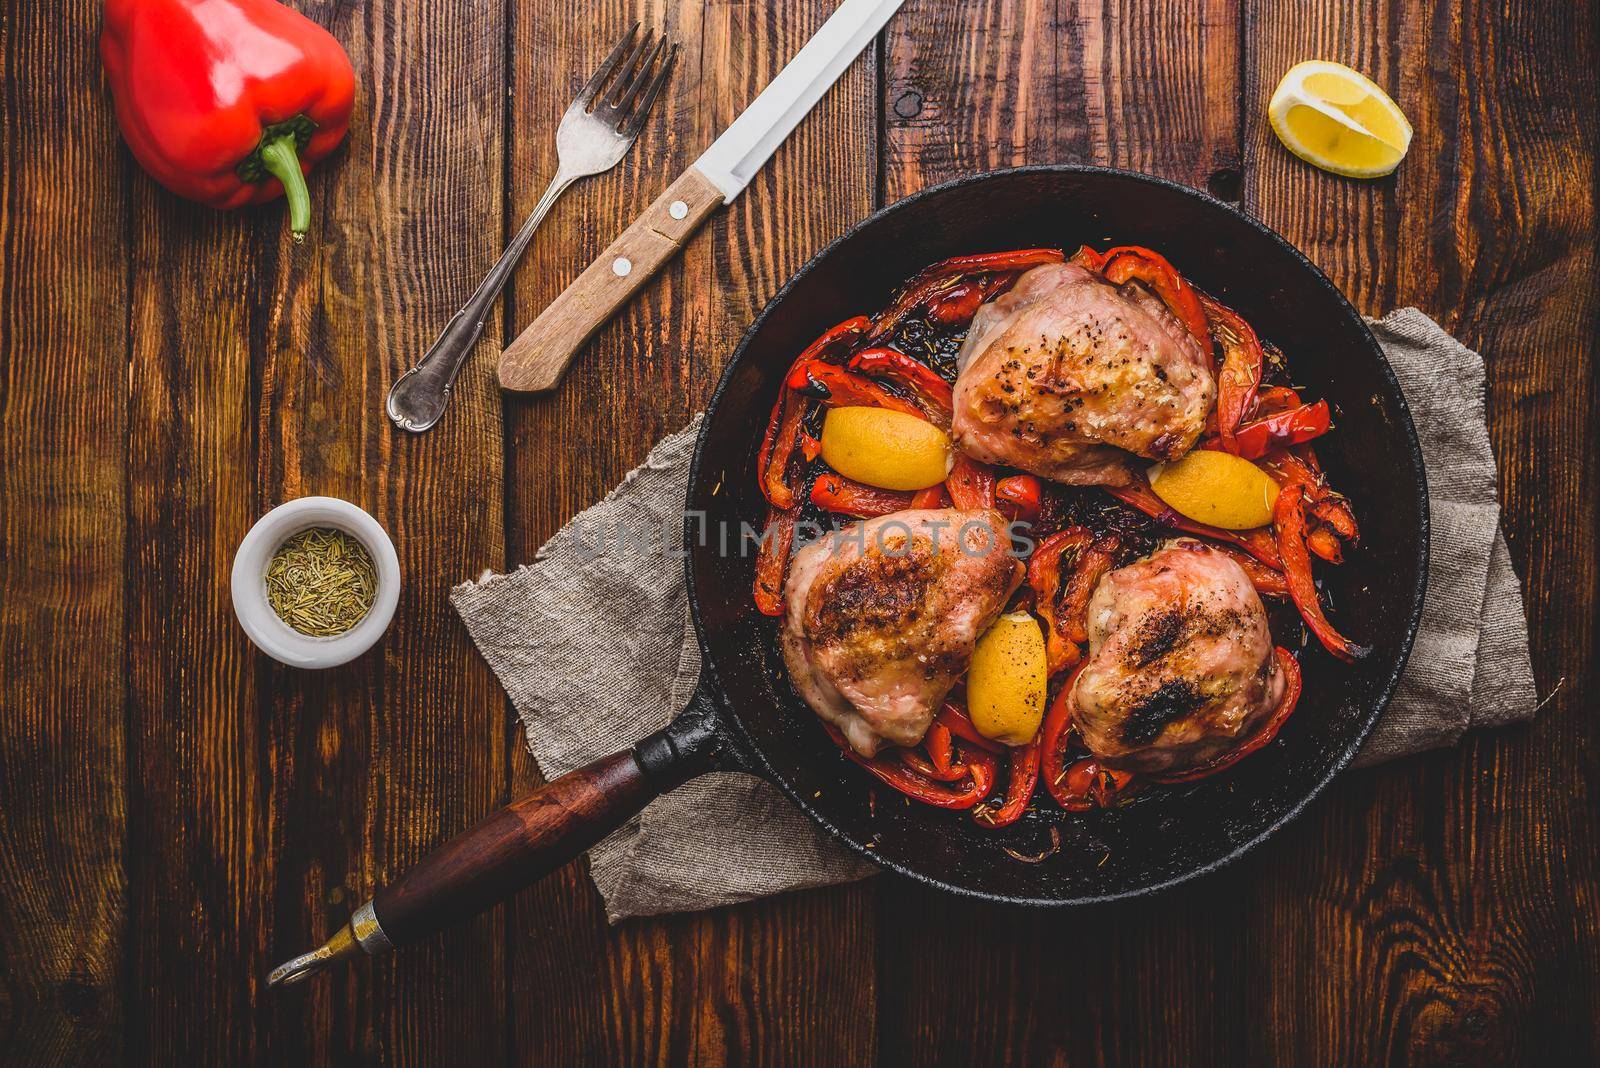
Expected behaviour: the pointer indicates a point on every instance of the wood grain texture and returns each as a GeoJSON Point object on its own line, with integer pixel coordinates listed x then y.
{"type": "Point", "coordinates": [178, 813]}
{"type": "Point", "coordinates": [1438, 912]}
{"type": "Point", "coordinates": [381, 763]}
{"type": "Point", "coordinates": [537, 358]}
{"type": "Point", "coordinates": [63, 487]}
{"type": "Point", "coordinates": [756, 982]}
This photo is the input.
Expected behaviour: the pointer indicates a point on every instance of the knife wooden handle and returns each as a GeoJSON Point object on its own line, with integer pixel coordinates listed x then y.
{"type": "Point", "coordinates": [535, 361]}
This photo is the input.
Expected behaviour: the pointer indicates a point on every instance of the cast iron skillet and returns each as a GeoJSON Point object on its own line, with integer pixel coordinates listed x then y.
{"type": "Point", "coordinates": [744, 715]}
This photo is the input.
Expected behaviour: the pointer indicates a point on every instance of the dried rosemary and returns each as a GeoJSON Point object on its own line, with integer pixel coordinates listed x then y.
{"type": "Point", "coordinates": [321, 582]}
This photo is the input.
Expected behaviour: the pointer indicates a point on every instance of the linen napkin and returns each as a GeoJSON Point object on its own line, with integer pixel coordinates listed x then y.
{"type": "Point", "coordinates": [593, 648]}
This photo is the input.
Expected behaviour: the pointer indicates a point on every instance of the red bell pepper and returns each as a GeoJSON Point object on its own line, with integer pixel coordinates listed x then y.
{"type": "Point", "coordinates": [1289, 517]}
{"type": "Point", "coordinates": [932, 497]}
{"type": "Point", "coordinates": [892, 770]}
{"type": "Point", "coordinates": [1238, 374]}
{"type": "Point", "coordinates": [1268, 581]}
{"type": "Point", "coordinates": [1269, 730]}
{"type": "Point", "coordinates": [228, 102]}
{"type": "Point", "coordinates": [970, 483]}
{"type": "Point", "coordinates": [1084, 784]}
{"type": "Point", "coordinates": [1259, 542]}
{"type": "Point", "coordinates": [839, 388]}
{"type": "Point", "coordinates": [1024, 776]}
{"type": "Point", "coordinates": [955, 307]}
{"type": "Point", "coordinates": [772, 562]}
{"type": "Point", "coordinates": [1132, 262]}
{"type": "Point", "coordinates": [1063, 572]}
{"type": "Point", "coordinates": [1292, 426]}
{"type": "Point", "coordinates": [784, 432]}
{"type": "Point", "coordinates": [953, 717]}
{"type": "Point", "coordinates": [1019, 497]}
{"type": "Point", "coordinates": [834, 493]}
{"type": "Point", "coordinates": [1088, 257]}
{"type": "Point", "coordinates": [941, 276]}
{"type": "Point", "coordinates": [911, 375]}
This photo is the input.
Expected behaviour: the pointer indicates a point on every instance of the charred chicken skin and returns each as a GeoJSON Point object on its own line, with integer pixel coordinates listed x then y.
{"type": "Point", "coordinates": [882, 616]}
{"type": "Point", "coordinates": [1069, 377]}
{"type": "Point", "coordinates": [1181, 668]}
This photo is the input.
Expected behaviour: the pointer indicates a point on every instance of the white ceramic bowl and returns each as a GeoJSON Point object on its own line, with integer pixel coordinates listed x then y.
{"type": "Point", "coordinates": [275, 637]}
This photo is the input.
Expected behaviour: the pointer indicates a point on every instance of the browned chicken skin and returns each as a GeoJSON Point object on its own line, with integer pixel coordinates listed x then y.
{"type": "Point", "coordinates": [882, 617]}
{"type": "Point", "coordinates": [1067, 375]}
{"type": "Point", "coordinates": [1180, 668]}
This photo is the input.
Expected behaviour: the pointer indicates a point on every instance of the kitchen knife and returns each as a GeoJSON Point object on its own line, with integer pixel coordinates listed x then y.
{"type": "Point", "coordinates": [535, 361]}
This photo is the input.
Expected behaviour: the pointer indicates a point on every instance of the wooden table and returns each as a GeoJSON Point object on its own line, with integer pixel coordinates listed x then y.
{"type": "Point", "coordinates": [178, 813]}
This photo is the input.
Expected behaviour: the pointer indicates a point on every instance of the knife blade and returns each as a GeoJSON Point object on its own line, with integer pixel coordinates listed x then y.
{"type": "Point", "coordinates": [536, 360]}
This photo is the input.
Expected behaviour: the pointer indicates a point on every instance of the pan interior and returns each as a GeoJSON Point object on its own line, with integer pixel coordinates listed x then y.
{"type": "Point", "coordinates": [1170, 833]}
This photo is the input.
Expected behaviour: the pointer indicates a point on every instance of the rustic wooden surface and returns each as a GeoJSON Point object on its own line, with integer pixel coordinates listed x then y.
{"type": "Point", "coordinates": [177, 812]}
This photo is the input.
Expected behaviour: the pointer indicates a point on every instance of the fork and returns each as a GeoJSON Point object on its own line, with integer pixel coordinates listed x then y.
{"type": "Point", "coordinates": [597, 130]}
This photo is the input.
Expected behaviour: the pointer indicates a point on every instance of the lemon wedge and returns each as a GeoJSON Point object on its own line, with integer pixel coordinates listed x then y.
{"type": "Point", "coordinates": [1338, 119]}
{"type": "Point", "coordinates": [1216, 488]}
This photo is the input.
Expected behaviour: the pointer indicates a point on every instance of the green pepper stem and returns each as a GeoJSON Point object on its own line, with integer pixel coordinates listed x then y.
{"type": "Point", "coordinates": [283, 163]}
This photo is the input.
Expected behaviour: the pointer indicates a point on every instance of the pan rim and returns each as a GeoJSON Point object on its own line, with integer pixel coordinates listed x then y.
{"type": "Point", "coordinates": [1386, 688]}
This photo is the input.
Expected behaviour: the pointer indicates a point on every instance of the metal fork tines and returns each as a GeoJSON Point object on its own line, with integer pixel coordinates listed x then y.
{"type": "Point", "coordinates": [597, 130]}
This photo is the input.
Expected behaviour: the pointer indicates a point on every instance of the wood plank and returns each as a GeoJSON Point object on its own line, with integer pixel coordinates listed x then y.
{"type": "Point", "coordinates": [63, 395]}
{"type": "Point", "coordinates": [753, 982]}
{"type": "Point", "coordinates": [270, 801]}
{"type": "Point", "coordinates": [408, 747]}
{"type": "Point", "coordinates": [1151, 87]}
{"type": "Point", "coordinates": [1441, 910]}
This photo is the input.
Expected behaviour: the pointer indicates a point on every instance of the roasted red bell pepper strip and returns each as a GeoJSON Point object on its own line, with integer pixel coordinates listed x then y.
{"type": "Point", "coordinates": [1333, 519]}
{"type": "Point", "coordinates": [1292, 426]}
{"type": "Point", "coordinates": [890, 770]}
{"type": "Point", "coordinates": [1086, 783]}
{"type": "Point", "coordinates": [1023, 777]}
{"type": "Point", "coordinates": [1335, 512]}
{"type": "Point", "coordinates": [772, 561]}
{"type": "Point", "coordinates": [1088, 257]}
{"type": "Point", "coordinates": [909, 374]}
{"type": "Point", "coordinates": [1132, 262]}
{"type": "Point", "coordinates": [1289, 518]}
{"type": "Point", "coordinates": [228, 102]}
{"type": "Point", "coordinates": [839, 388]}
{"type": "Point", "coordinates": [1063, 572]}
{"type": "Point", "coordinates": [1259, 543]}
{"type": "Point", "coordinates": [1019, 496]}
{"type": "Point", "coordinates": [1268, 581]}
{"type": "Point", "coordinates": [784, 432]}
{"type": "Point", "coordinates": [954, 307]}
{"type": "Point", "coordinates": [932, 497]}
{"type": "Point", "coordinates": [942, 275]}
{"type": "Point", "coordinates": [918, 764]}
{"type": "Point", "coordinates": [940, 747]}
{"type": "Point", "coordinates": [834, 493]}
{"type": "Point", "coordinates": [970, 483]}
{"type": "Point", "coordinates": [778, 445]}
{"type": "Point", "coordinates": [1238, 372]}
{"type": "Point", "coordinates": [954, 718]}
{"type": "Point", "coordinates": [1054, 733]}
{"type": "Point", "coordinates": [1269, 730]}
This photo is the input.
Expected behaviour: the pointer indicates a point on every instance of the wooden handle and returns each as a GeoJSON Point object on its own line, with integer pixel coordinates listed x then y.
{"type": "Point", "coordinates": [516, 846]}
{"type": "Point", "coordinates": [535, 361]}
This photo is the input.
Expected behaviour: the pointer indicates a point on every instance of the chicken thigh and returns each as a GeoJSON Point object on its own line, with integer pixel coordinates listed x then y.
{"type": "Point", "coordinates": [882, 617]}
{"type": "Point", "coordinates": [1066, 375]}
{"type": "Point", "coordinates": [1180, 668]}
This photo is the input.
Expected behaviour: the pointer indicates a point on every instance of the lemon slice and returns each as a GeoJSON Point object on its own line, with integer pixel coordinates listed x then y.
{"type": "Point", "coordinates": [1216, 488]}
{"type": "Point", "coordinates": [1339, 120]}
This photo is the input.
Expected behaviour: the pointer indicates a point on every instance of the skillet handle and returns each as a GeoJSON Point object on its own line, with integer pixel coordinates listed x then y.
{"type": "Point", "coordinates": [518, 845]}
